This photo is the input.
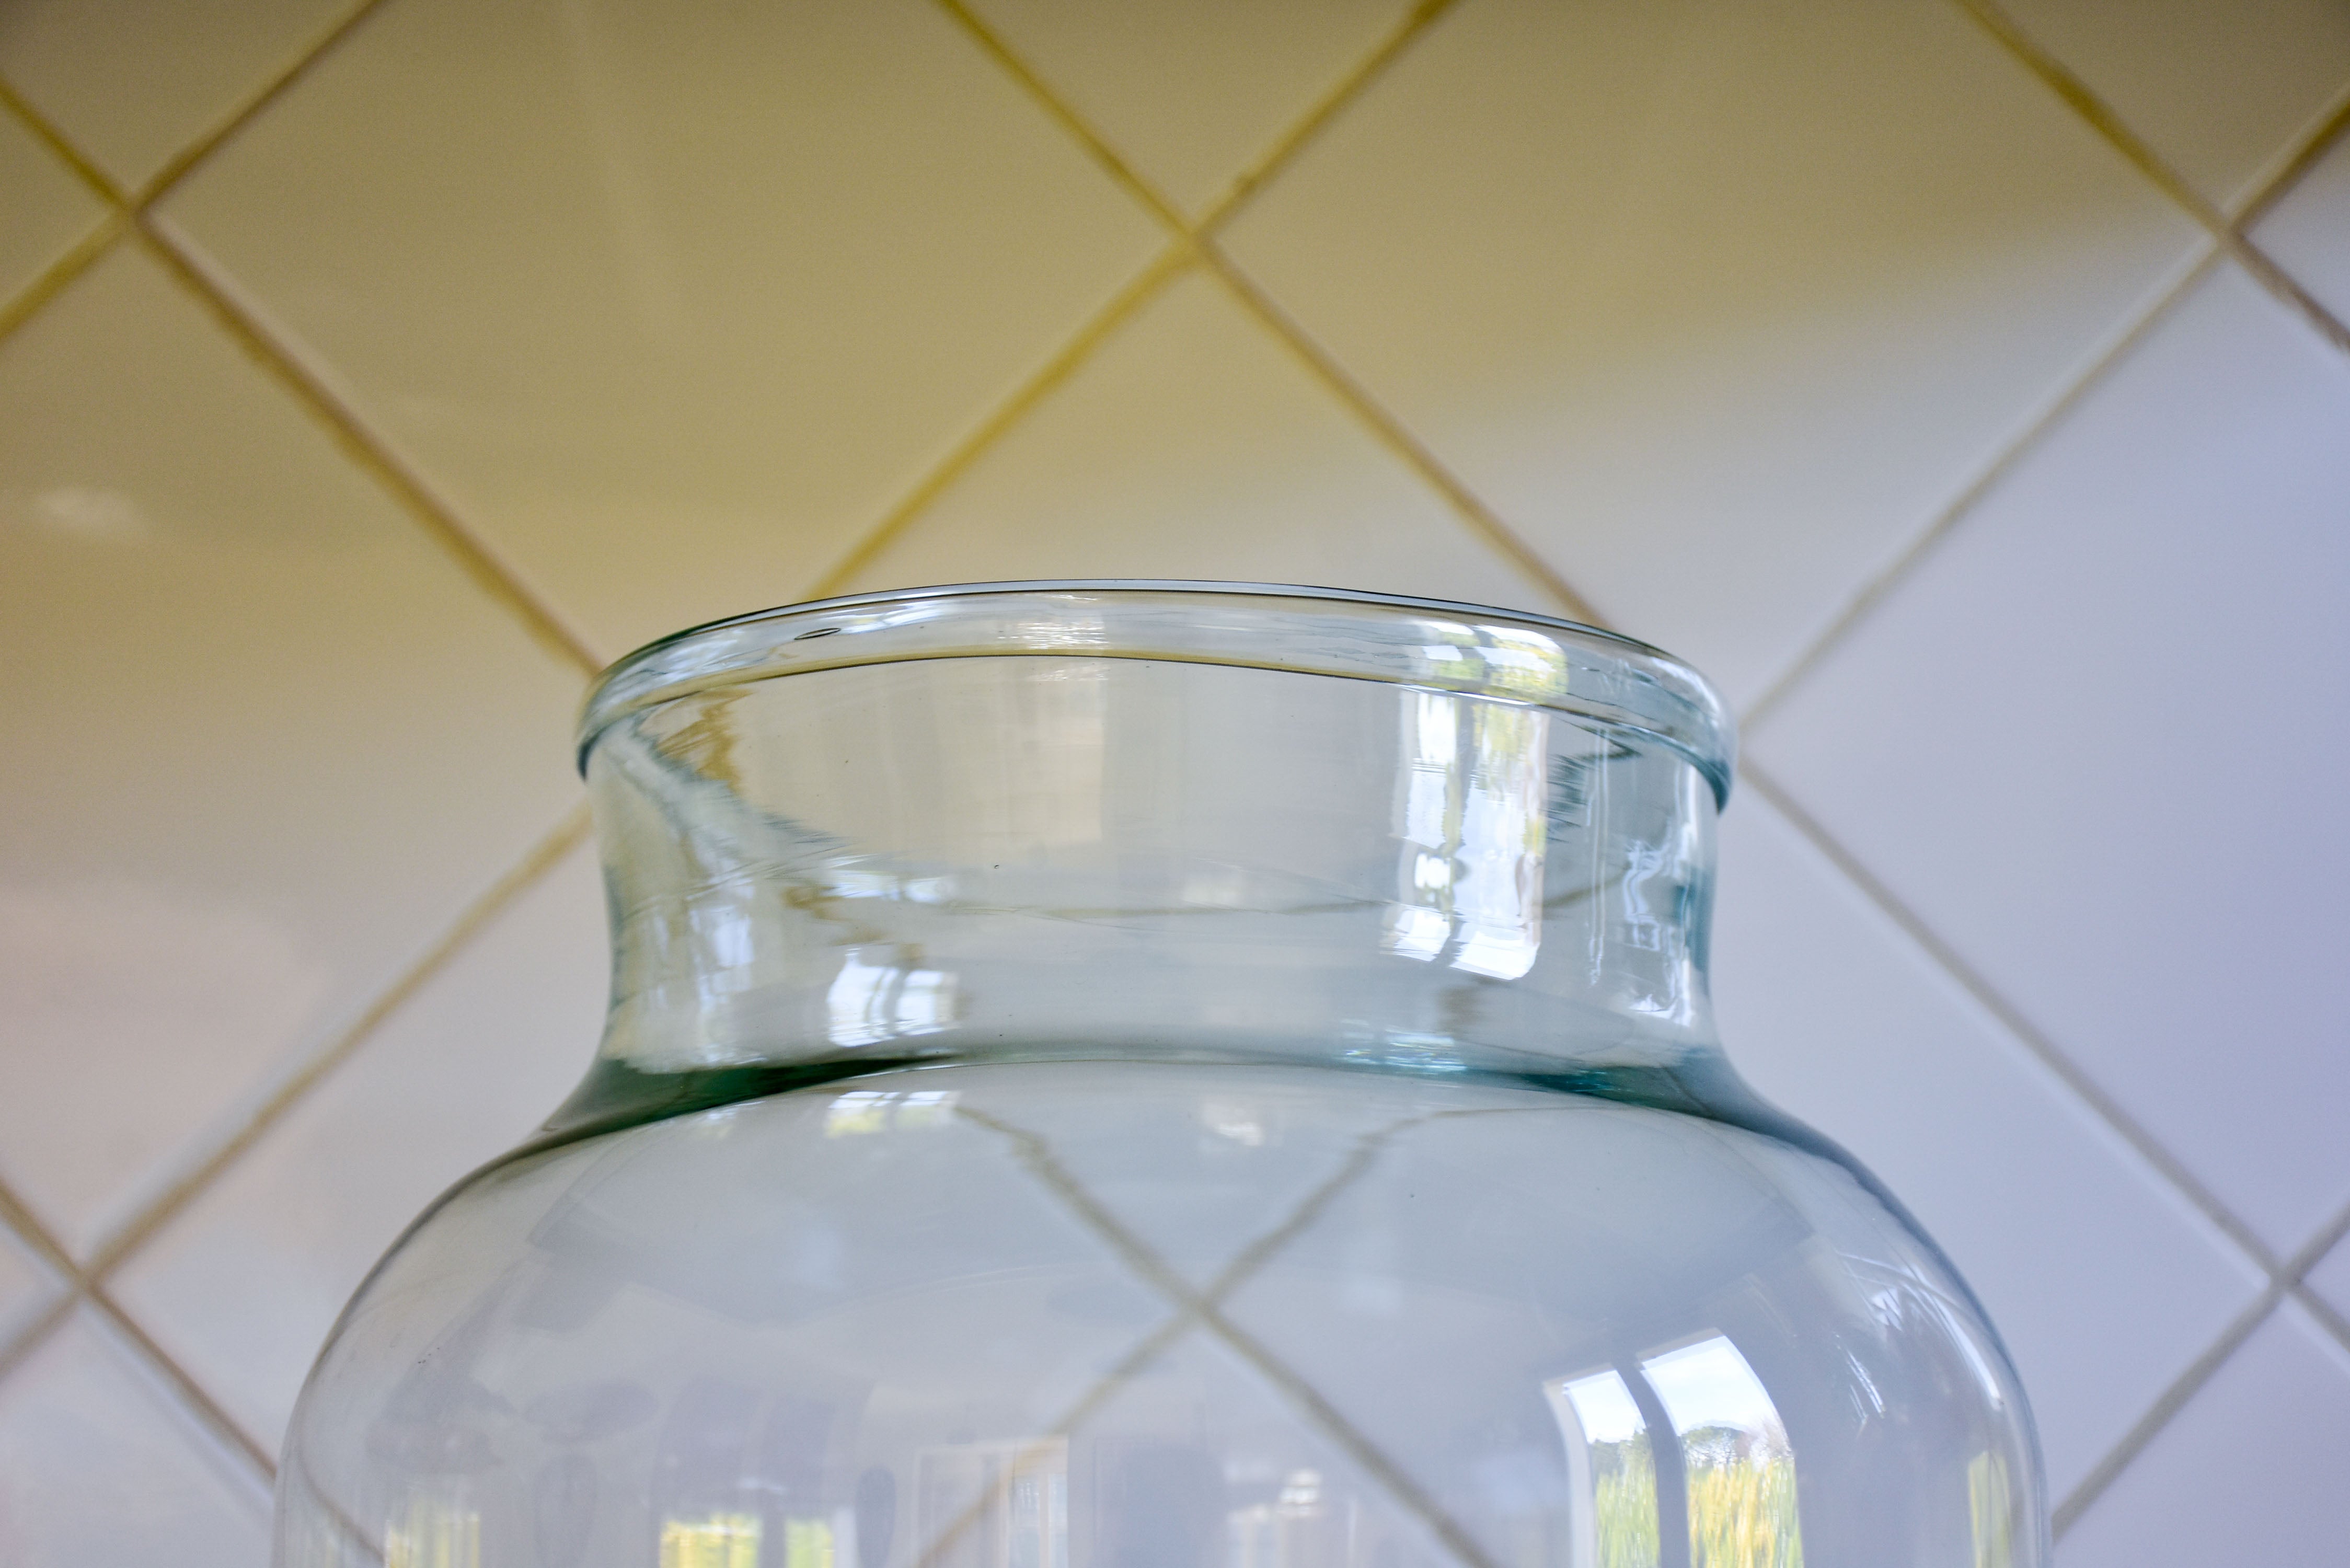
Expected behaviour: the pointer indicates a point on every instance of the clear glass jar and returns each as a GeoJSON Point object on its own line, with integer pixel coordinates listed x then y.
{"type": "Point", "coordinates": [1128, 1076]}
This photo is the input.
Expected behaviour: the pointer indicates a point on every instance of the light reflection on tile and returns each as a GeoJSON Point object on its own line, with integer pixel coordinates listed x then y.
{"type": "Point", "coordinates": [100, 1469]}
{"type": "Point", "coordinates": [1192, 445]}
{"type": "Point", "coordinates": [1711, 353]}
{"type": "Point", "coordinates": [673, 360]}
{"type": "Point", "coordinates": [271, 742]}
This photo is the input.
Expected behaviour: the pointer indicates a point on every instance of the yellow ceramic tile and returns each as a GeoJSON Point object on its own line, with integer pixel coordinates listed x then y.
{"type": "Point", "coordinates": [1193, 444]}
{"type": "Point", "coordinates": [266, 742]}
{"type": "Point", "coordinates": [2223, 90]}
{"type": "Point", "coordinates": [1191, 94]}
{"type": "Point", "coordinates": [135, 81]}
{"type": "Point", "coordinates": [100, 1466]}
{"type": "Point", "coordinates": [1719, 305]}
{"type": "Point", "coordinates": [673, 303]}
{"type": "Point", "coordinates": [242, 1289]}
{"type": "Point", "coordinates": [48, 209]}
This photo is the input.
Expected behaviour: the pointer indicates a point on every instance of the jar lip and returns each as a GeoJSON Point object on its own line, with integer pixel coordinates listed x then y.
{"type": "Point", "coordinates": [1481, 650]}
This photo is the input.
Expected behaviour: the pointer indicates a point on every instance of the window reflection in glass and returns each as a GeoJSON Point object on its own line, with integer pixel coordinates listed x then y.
{"type": "Point", "coordinates": [1611, 1472]}
{"type": "Point", "coordinates": [718, 1541]}
{"type": "Point", "coordinates": [434, 1532]}
{"type": "Point", "coordinates": [995, 1505]}
{"type": "Point", "coordinates": [1470, 815]}
{"type": "Point", "coordinates": [1739, 1470]}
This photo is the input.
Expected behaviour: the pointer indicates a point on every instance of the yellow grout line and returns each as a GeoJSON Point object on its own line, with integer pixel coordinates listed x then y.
{"type": "Point", "coordinates": [1192, 237]}
{"type": "Point", "coordinates": [1311, 124]}
{"type": "Point", "coordinates": [480, 561]}
{"type": "Point", "coordinates": [306, 59]}
{"type": "Point", "coordinates": [53, 278]}
{"type": "Point", "coordinates": [2059, 79]}
{"type": "Point", "coordinates": [1962, 506]}
{"type": "Point", "coordinates": [1138, 291]}
{"type": "Point", "coordinates": [207, 1410]}
{"type": "Point", "coordinates": [501, 896]}
{"type": "Point", "coordinates": [84, 167]}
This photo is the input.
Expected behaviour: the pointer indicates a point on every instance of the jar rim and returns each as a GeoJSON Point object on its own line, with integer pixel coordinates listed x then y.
{"type": "Point", "coordinates": [1513, 656]}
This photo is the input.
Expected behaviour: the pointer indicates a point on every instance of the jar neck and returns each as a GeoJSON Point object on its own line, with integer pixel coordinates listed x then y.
{"type": "Point", "coordinates": [1038, 856]}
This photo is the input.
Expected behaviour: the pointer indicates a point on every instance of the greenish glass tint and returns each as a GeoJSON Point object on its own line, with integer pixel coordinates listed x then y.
{"type": "Point", "coordinates": [1161, 1076]}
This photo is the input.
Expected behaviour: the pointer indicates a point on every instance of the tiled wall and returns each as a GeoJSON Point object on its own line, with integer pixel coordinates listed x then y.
{"type": "Point", "coordinates": [1966, 391]}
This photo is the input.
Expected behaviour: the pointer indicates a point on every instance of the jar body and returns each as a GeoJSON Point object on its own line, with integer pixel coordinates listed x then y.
{"type": "Point", "coordinates": [1140, 1282]}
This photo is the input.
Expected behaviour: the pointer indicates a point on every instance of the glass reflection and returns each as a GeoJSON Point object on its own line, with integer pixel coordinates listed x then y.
{"type": "Point", "coordinates": [720, 1540]}
{"type": "Point", "coordinates": [1608, 1461]}
{"type": "Point", "coordinates": [1471, 814]}
{"type": "Point", "coordinates": [869, 1002]}
{"type": "Point", "coordinates": [994, 1505]}
{"type": "Point", "coordinates": [1741, 1471]}
{"type": "Point", "coordinates": [434, 1532]}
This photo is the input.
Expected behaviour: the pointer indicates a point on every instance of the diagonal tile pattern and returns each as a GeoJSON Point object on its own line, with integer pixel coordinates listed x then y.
{"type": "Point", "coordinates": [2191, 503]}
{"type": "Point", "coordinates": [1723, 331]}
{"type": "Point", "coordinates": [2221, 90]}
{"type": "Point", "coordinates": [1712, 362]}
{"type": "Point", "coordinates": [1193, 444]}
{"type": "Point", "coordinates": [284, 657]}
{"type": "Point", "coordinates": [584, 318]}
{"type": "Point", "coordinates": [135, 81]}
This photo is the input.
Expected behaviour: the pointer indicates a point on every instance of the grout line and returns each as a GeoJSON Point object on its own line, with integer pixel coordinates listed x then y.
{"type": "Point", "coordinates": [306, 59]}
{"type": "Point", "coordinates": [1317, 118]}
{"type": "Point", "coordinates": [84, 167]}
{"type": "Point", "coordinates": [2327, 130]}
{"type": "Point", "coordinates": [473, 555]}
{"type": "Point", "coordinates": [536, 864]}
{"type": "Point", "coordinates": [1391, 433]}
{"type": "Point", "coordinates": [2059, 79]}
{"type": "Point", "coordinates": [1138, 291]}
{"type": "Point", "coordinates": [1204, 1308]}
{"type": "Point", "coordinates": [1858, 608]}
{"type": "Point", "coordinates": [2012, 1019]}
{"type": "Point", "coordinates": [1114, 163]}
{"type": "Point", "coordinates": [2285, 1281]}
{"type": "Point", "coordinates": [53, 278]}
{"type": "Point", "coordinates": [223, 1426]}
{"type": "Point", "coordinates": [1193, 240]}
{"type": "Point", "coordinates": [2158, 1415]}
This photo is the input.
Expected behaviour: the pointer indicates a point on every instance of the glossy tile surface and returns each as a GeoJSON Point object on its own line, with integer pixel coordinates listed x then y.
{"type": "Point", "coordinates": [2170, 567]}
{"type": "Point", "coordinates": [243, 1289]}
{"type": "Point", "coordinates": [269, 742]}
{"type": "Point", "coordinates": [1141, 73]}
{"type": "Point", "coordinates": [99, 1466]}
{"type": "Point", "coordinates": [2308, 232]}
{"type": "Point", "coordinates": [133, 82]}
{"type": "Point", "coordinates": [1714, 357]}
{"type": "Point", "coordinates": [49, 209]}
{"type": "Point", "coordinates": [2331, 1279]}
{"type": "Point", "coordinates": [2103, 1287]}
{"type": "Point", "coordinates": [2246, 1473]}
{"type": "Point", "coordinates": [1195, 444]}
{"type": "Point", "coordinates": [2221, 89]}
{"type": "Point", "coordinates": [671, 363]}
{"type": "Point", "coordinates": [26, 1285]}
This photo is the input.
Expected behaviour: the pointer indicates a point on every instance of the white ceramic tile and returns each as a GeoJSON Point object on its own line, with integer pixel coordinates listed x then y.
{"type": "Point", "coordinates": [48, 208]}
{"type": "Point", "coordinates": [100, 1469]}
{"type": "Point", "coordinates": [2089, 741]}
{"type": "Point", "coordinates": [2249, 1471]}
{"type": "Point", "coordinates": [28, 1286]}
{"type": "Point", "coordinates": [1193, 95]}
{"type": "Point", "coordinates": [2220, 90]}
{"type": "Point", "coordinates": [1718, 305]}
{"type": "Point", "coordinates": [134, 82]}
{"type": "Point", "coordinates": [268, 740]}
{"type": "Point", "coordinates": [243, 1288]}
{"type": "Point", "coordinates": [673, 305]}
{"type": "Point", "coordinates": [2308, 233]}
{"type": "Point", "coordinates": [1194, 444]}
{"type": "Point", "coordinates": [2103, 1283]}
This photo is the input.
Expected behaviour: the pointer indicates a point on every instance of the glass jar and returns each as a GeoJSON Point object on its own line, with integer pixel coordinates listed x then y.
{"type": "Point", "coordinates": [1134, 1075]}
